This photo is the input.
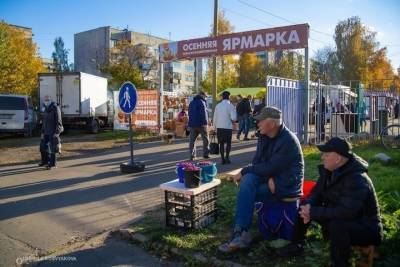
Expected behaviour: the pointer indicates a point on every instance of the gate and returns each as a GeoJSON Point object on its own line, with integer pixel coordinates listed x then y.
{"type": "Point", "coordinates": [286, 95]}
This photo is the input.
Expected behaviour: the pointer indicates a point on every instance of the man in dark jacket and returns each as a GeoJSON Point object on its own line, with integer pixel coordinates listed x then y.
{"type": "Point", "coordinates": [343, 202]}
{"type": "Point", "coordinates": [243, 111]}
{"type": "Point", "coordinates": [198, 121]}
{"type": "Point", "coordinates": [276, 174]}
{"type": "Point", "coordinates": [51, 130]}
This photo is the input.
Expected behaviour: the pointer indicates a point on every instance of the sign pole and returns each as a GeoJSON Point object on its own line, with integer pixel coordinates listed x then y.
{"type": "Point", "coordinates": [306, 100]}
{"type": "Point", "coordinates": [214, 62]}
{"type": "Point", "coordinates": [127, 100]}
{"type": "Point", "coordinates": [161, 98]}
{"type": "Point", "coordinates": [130, 137]}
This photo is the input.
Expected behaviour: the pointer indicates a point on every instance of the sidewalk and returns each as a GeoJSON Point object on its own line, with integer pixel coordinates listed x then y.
{"type": "Point", "coordinates": [46, 210]}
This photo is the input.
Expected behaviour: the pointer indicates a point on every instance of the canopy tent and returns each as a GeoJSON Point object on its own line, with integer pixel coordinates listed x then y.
{"type": "Point", "coordinates": [245, 91]}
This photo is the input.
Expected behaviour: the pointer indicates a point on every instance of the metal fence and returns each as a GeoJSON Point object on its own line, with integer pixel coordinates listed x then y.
{"type": "Point", "coordinates": [286, 95]}
{"type": "Point", "coordinates": [344, 109]}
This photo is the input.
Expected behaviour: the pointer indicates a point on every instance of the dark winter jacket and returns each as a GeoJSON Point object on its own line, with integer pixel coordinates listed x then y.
{"type": "Point", "coordinates": [346, 193]}
{"type": "Point", "coordinates": [282, 159]}
{"type": "Point", "coordinates": [198, 116]}
{"type": "Point", "coordinates": [243, 107]}
{"type": "Point", "coordinates": [52, 123]}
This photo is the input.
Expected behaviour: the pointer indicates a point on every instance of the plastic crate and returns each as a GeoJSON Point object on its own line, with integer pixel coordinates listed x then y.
{"type": "Point", "coordinates": [192, 224]}
{"type": "Point", "coordinates": [183, 199]}
{"type": "Point", "coordinates": [191, 211]}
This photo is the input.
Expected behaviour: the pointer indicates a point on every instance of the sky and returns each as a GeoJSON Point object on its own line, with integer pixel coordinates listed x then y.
{"type": "Point", "coordinates": [187, 19]}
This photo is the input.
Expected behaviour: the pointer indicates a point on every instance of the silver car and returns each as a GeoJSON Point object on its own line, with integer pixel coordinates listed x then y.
{"type": "Point", "coordinates": [17, 114]}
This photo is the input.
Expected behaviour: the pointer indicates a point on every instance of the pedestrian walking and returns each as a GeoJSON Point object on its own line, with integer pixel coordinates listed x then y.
{"type": "Point", "coordinates": [224, 116]}
{"type": "Point", "coordinates": [51, 130]}
{"type": "Point", "coordinates": [198, 124]}
{"type": "Point", "coordinates": [243, 111]}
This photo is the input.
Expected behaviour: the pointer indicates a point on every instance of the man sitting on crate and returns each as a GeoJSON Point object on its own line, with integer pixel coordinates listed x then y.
{"type": "Point", "coordinates": [275, 175]}
{"type": "Point", "coordinates": [343, 201]}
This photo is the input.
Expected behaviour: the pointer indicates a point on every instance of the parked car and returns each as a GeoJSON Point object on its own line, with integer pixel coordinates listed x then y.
{"type": "Point", "coordinates": [17, 114]}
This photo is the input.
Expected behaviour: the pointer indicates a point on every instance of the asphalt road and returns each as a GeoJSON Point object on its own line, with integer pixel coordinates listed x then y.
{"type": "Point", "coordinates": [43, 210]}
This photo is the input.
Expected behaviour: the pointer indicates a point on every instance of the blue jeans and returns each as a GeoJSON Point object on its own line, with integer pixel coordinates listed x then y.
{"type": "Point", "coordinates": [251, 190]}
{"type": "Point", "coordinates": [243, 125]}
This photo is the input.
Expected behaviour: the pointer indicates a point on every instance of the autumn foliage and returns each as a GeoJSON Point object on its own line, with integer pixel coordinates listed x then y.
{"type": "Point", "coordinates": [19, 62]}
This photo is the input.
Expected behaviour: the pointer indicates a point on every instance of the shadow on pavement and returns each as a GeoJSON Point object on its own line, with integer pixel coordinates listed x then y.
{"type": "Point", "coordinates": [162, 171]}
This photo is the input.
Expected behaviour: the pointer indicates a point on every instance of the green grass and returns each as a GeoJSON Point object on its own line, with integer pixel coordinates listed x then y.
{"type": "Point", "coordinates": [387, 184]}
{"type": "Point", "coordinates": [119, 135]}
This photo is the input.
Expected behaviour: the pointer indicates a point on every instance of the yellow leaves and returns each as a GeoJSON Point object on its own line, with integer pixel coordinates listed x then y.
{"type": "Point", "coordinates": [358, 53]}
{"type": "Point", "coordinates": [19, 64]}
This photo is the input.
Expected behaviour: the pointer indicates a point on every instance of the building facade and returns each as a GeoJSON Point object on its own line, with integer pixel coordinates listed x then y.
{"type": "Point", "coordinates": [25, 30]}
{"type": "Point", "coordinates": [98, 47]}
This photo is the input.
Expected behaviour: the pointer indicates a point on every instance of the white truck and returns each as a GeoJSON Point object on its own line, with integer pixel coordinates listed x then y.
{"type": "Point", "coordinates": [82, 98]}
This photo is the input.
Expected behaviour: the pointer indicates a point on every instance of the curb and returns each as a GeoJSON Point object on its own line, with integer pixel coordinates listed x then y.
{"type": "Point", "coordinates": [144, 241]}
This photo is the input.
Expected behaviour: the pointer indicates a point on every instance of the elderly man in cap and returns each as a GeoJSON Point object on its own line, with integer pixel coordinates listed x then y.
{"type": "Point", "coordinates": [275, 174]}
{"type": "Point", "coordinates": [343, 202]}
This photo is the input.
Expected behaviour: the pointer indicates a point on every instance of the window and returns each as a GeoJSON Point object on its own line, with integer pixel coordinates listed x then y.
{"type": "Point", "coordinates": [189, 68]}
{"type": "Point", "coordinates": [189, 78]}
{"type": "Point", "coordinates": [176, 65]}
{"type": "Point", "coordinates": [113, 43]}
{"type": "Point", "coordinates": [12, 103]}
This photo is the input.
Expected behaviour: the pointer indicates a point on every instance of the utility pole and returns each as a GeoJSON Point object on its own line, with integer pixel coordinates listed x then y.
{"type": "Point", "coordinates": [214, 65]}
{"type": "Point", "coordinates": [196, 76]}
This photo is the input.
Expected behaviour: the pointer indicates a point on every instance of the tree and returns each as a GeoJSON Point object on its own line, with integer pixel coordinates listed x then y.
{"type": "Point", "coordinates": [358, 52]}
{"type": "Point", "coordinates": [289, 65]}
{"type": "Point", "coordinates": [226, 65]}
{"type": "Point", "coordinates": [325, 65]}
{"type": "Point", "coordinates": [122, 72]}
{"type": "Point", "coordinates": [60, 56]}
{"type": "Point", "coordinates": [129, 63]}
{"type": "Point", "coordinates": [19, 63]}
{"type": "Point", "coordinates": [251, 71]}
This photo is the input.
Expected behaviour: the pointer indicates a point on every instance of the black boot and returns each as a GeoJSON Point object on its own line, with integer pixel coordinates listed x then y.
{"type": "Point", "coordinates": [44, 159]}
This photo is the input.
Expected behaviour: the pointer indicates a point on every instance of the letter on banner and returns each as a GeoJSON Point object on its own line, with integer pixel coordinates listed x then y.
{"type": "Point", "coordinates": [293, 37]}
{"type": "Point", "coordinates": [235, 42]}
{"type": "Point", "coordinates": [280, 38]}
{"type": "Point", "coordinates": [259, 41]}
{"type": "Point", "coordinates": [269, 37]}
{"type": "Point", "coordinates": [247, 42]}
{"type": "Point", "coordinates": [227, 44]}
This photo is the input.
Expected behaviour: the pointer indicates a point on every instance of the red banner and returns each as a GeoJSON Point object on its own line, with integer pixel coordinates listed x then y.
{"type": "Point", "coordinates": [146, 114]}
{"type": "Point", "coordinates": [280, 38]}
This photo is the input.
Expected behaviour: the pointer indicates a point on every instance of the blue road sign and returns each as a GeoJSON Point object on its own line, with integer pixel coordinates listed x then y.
{"type": "Point", "coordinates": [127, 97]}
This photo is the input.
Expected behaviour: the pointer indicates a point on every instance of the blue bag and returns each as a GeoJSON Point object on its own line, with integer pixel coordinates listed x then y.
{"type": "Point", "coordinates": [276, 220]}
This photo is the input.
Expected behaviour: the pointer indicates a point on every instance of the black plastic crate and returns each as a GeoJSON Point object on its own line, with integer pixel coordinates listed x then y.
{"type": "Point", "coordinates": [191, 211]}
{"type": "Point", "coordinates": [189, 200]}
{"type": "Point", "coordinates": [192, 224]}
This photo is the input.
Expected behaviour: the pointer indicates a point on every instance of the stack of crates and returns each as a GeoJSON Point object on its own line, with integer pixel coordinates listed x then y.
{"type": "Point", "coordinates": [191, 211]}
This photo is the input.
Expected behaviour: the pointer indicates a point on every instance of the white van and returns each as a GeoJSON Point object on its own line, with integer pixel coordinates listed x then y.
{"type": "Point", "coordinates": [17, 114]}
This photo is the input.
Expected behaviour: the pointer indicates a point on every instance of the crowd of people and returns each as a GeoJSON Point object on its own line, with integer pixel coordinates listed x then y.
{"type": "Point", "coordinates": [225, 116]}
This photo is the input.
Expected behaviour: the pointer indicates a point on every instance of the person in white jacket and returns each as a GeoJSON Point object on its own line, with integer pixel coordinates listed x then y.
{"type": "Point", "coordinates": [224, 116]}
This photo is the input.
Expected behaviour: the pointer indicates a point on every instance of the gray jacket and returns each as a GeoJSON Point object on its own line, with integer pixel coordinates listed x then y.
{"type": "Point", "coordinates": [52, 123]}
